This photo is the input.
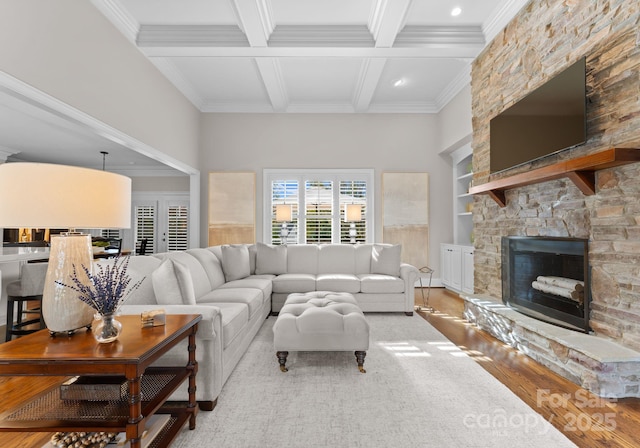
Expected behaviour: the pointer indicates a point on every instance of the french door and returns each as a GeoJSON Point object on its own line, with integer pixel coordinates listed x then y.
{"type": "Point", "coordinates": [163, 221]}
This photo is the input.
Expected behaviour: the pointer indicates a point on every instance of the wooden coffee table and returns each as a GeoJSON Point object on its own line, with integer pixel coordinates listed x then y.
{"type": "Point", "coordinates": [129, 357]}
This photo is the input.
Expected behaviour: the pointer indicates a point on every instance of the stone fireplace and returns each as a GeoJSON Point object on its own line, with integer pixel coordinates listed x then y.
{"type": "Point", "coordinates": [545, 37]}
{"type": "Point", "coordinates": [548, 279]}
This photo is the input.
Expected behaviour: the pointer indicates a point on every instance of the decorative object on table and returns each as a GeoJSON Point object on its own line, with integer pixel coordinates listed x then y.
{"type": "Point", "coordinates": [95, 388]}
{"type": "Point", "coordinates": [153, 318]}
{"type": "Point", "coordinates": [352, 214]}
{"type": "Point", "coordinates": [425, 302]}
{"type": "Point", "coordinates": [104, 290]}
{"type": "Point", "coordinates": [284, 215]}
{"type": "Point", "coordinates": [82, 439]}
{"type": "Point", "coordinates": [59, 196]}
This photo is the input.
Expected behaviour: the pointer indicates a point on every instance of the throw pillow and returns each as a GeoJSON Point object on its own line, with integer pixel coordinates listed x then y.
{"type": "Point", "coordinates": [271, 259]}
{"type": "Point", "coordinates": [172, 284]}
{"type": "Point", "coordinates": [235, 262]}
{"type": "Point", "coordinates": [386, 259]}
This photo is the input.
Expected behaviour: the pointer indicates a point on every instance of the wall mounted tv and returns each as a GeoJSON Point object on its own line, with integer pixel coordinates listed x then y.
{"type": "Point", "coordinates": [546, 121]}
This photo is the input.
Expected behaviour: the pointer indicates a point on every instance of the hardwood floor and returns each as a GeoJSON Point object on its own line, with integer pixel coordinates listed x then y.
{"type": "Point", "coordinates": [587, 420]}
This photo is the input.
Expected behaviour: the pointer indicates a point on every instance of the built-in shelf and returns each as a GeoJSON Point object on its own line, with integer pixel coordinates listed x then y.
{"type": "Point", "coordinates": [580, 170]}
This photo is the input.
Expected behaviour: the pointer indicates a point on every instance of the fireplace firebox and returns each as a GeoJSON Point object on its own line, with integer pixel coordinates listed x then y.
{"type": "Point", "coordinates": [548, 278]}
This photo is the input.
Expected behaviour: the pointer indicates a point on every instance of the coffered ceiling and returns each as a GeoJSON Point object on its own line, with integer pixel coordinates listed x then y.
{"type": "Point", "coordinates": [335, 56]}
{"type": "Point", "coordinates": [395, 56]}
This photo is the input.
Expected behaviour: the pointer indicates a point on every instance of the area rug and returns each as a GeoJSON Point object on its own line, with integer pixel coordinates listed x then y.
{"type": "Point", "coordinates": [420, 390]}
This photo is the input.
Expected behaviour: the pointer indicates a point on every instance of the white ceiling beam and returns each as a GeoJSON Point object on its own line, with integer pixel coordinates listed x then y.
{"type": "Point", "coordinates": [269, 69]}
{"type": "Point", "coordinates": [425, 51]}
{"type": "Point", "coordinates": [255, 19]}
{"type": "Point", "coordinates": [368, 80]}
{"type": "Point", "coordinates": [387, 19]}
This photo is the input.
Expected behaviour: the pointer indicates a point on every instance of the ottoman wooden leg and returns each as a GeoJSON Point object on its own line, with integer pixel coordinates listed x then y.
{"type": "Point", "coordinates": [360, 358]}
{"type": "Point", "coordinates": [282, 359]}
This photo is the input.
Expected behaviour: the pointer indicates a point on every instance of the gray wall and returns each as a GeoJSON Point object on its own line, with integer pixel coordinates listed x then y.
{"type": "Point", "coordinates": [384, 142]}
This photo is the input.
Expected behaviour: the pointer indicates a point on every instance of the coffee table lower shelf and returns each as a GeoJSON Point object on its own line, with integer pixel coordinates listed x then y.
{"type": "Point", "coordinates": [48, 412]}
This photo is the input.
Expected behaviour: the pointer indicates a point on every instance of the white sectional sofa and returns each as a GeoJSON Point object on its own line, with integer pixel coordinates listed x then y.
{"type": "Point", "coordinates": [235, 287]}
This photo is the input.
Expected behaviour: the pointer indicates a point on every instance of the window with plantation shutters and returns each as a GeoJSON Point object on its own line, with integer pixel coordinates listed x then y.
{"type": "Point", "coordinates": [284, 193]}
{"type": "Point", "coordinates": [318, 211]}
{"type": "Point", "coordinates": [318, 200]}
{"type": "Point", "coordinates": [145, 225]}
{"type": "Point", "coordinates": [177, 234]}
{"type": "Point", "coordinates": [353, 192]}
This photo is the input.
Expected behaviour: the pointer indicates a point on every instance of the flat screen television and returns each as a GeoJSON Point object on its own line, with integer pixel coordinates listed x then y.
{"type": "Point", "coordinates": [548, 120]}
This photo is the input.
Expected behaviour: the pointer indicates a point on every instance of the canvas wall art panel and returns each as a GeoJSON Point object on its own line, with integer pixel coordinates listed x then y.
{"type": "Point", "coordinates": [232, 208]}
{"type": "Point", "coordinates": [405, 215]}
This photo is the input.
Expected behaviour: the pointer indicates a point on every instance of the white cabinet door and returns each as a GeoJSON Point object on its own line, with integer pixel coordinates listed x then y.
{"type": "Point", "coordinates": [467, 270]}
{"type": "Point", "coordinates": [451, 261]}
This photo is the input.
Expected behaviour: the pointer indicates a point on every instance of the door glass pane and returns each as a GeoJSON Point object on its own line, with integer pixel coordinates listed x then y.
{"type": "Point", "coordinates": [145, 226]}
{"type": "Point", "coordinates": [177, 227]}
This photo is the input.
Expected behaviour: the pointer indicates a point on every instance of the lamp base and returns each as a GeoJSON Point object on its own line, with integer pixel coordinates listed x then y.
{"type": "Point", "coordinates": [62, 311]}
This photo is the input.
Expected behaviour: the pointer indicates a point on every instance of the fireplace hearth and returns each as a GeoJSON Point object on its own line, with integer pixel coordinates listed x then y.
{"type": "Point", "coordinates": [547, 278]}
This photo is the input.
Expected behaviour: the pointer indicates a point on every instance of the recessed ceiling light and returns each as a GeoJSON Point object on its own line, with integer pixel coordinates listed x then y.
{"type": "Point", "coordinates": [456, 11]}
{"type": "Point", "coordinates": [399, 82]}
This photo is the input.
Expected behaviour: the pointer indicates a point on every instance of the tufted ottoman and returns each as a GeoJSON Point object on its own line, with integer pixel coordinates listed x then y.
{"type": "Point", "coordinates": [321, 321]}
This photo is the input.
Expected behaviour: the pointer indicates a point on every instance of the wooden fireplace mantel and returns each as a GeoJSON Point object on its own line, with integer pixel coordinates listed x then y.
{"type": "Point", "coordinates": [580, 170]}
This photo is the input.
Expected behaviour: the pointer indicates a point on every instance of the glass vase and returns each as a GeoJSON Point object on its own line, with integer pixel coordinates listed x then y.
{"type": "Point", "coordinates": [106, 329]}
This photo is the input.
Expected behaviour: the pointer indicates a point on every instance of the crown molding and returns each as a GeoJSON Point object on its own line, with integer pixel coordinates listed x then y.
{"type": "Point", "coordinates": [296, 36]}
{"type": "Point", "coordinates": [425, 35]}
{"type": "Point", "coordinates": [323, 108]}
{"type": "Point", "coordinates": [501, 17]}
{"type": "Point", "coordinates": [191, 36]}
{"type": "Point", "coordinates": [462, 80]}
{"type": "Point", "coordinates": [175, 76]}
{"type": "Point", "coordinates": [236, 108]}
{"type": "Point", "coordinates": [417, 107]}
{"type": "Point", "coordinates": [119, 17]}
{"type": "Point", "coordinates": [255, 20]}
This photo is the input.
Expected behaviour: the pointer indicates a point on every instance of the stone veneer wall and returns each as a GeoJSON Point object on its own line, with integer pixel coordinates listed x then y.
{"type": "Point", "coordinates": [544, 38]}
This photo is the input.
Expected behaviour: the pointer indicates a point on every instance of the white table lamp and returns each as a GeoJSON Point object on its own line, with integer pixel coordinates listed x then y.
{"type": "Point", "coordinates": [284, 215]}
{"type": "Point", "coordinates": [352, 214]}
{"type": "Point", "coordinates": [64, 197]}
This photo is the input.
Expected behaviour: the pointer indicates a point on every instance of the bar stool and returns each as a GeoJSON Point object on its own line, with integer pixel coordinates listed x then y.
{"type": "Point", "coordinates": [25, 295]}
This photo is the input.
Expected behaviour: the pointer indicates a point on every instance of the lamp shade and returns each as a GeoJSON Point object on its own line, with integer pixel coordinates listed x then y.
{"type": "Point", "coordinates": [42, 195]}
{"type": "Point", "coordinates": [283, 213]}
{"type": "Point", "coordinates": [353, 213]}
{"type": "Point", "coordinates": [51, 196]}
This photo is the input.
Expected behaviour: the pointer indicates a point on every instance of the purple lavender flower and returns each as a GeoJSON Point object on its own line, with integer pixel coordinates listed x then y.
{"type": "Point", "coordinates": [107, 289]}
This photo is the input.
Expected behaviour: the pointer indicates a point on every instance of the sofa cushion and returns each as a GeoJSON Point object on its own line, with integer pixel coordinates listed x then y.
{"type": "Point", "coordinates": [235, 317]}
{"type": "Point", "coordinates": [287, 283]}
{"type": "Point", "coordinates": [254, 282]}
{"type": "Point", "coordinates": [381, 284]}
{"type": "Point", "coordinates": [363, 258]}
{"type": "Point", "coordinates": [211, 264]}
{"type": "Point", "coordinates": [201, 283]}
{"type": "Point", "coordinates": [302, 259]}
{"type": "Point", "coordinates": [140, 268]}
{"type": "Point", "coordinates": [336, 259]}
{"type": "Point", "coordinates": [338, 282]}
{"type": "Point", "coordinates": [235, 261]}
{"type": "Point", "coordinates": [172, 284]}
{"type": "Point", "coordinates": [271, 259]}
{"type": "Point", "coordinates": [250, 297]}
{"type": "Point", "coordinates": [385, 259]}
